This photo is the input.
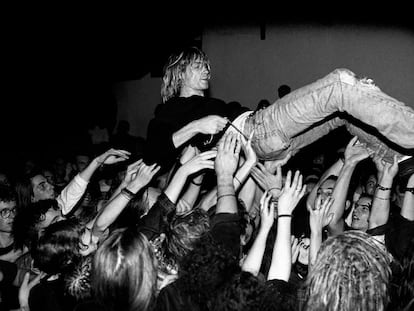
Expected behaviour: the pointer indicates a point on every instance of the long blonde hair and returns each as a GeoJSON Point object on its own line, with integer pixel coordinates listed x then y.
{"type": "Point", "coordinates": [176, 66]}
{"type": "Point", "coordinates": [351, 272]}
{"type": "Point", "coordinates": [124, 273]}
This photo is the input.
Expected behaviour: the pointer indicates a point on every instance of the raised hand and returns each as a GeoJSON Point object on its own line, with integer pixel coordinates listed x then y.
{"type": "Point", "coordinates": [267, 180]}
{"type": "Point", "coordinates": [199, 162]}
{"type": "Point", "coordinates": [113, 156]}
{"type": "Point", "coordinates": [249, 153]}
{"type": "Point", "coordinates": [320, 217]}
{"type": "Point", "coordinates": [228, 152]}
{"type": "Point", "coordinates": [188, 153]}
{"type": "Point", "coordinates": [141, 175]}
{"type": "Point", "coordinates": [211, 124]}
{"type": "Point", "coordinates": [386, 169]}
{"type": "Point", "coordinates": [356, 151]}
{"type": "Point", "coordinates": [291, 194]}
{"type": "Point", "coordinates": [25, 288]}
{"type": "Point", "coordinates": [272, 165]}
{"type": "Point", "coordinates": [267, 211]}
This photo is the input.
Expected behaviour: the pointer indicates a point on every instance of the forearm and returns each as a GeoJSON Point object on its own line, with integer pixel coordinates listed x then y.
{"type": "Point", "coordinates": [176, 185]}
{"type": "Point", "coordinates": [185, 134]}
{"type": "Point", "coordinates": [247, 193]}
{"type": "Point", "coordinates": [315, 244]}
{"type": "Point", "coordinates": [241, 174]}
{"type": "Point", "coordinates": [407, 210]}
{"type": "Point", "coordinates": [381, 202]}
{"type": "Point", "coordinates": [226, 197]}
{"type": "Point", "coordinates": [87, 173]}
{"type": "Point", "coordinates": [339, 195]}
{"type": "Point", "coordinates": [281, 257]}
{"type": "Point", "coordinates": [110, 213]}
{"type": "Point", "coordinates": [253, 261]}
{"type": "Point", "coordinates": [191, 194]}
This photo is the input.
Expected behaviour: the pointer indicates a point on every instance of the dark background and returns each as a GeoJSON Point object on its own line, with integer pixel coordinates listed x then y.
{"type": "Point", "coordinates": [60, 63]}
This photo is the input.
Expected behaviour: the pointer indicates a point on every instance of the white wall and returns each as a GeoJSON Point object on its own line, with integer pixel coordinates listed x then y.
{"type": "Point", "coordinates": [247, 69]}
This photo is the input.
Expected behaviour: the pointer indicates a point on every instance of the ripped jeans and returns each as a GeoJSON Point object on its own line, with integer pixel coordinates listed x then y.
{"type": "Point", "coordinates": [306, 114]}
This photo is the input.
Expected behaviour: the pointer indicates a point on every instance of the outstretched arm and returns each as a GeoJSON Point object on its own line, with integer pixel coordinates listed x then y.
{"type": "Point", "coordinates": [292, 192]}
{"type": "Point", "coordinates": [225, 165]}
{"type": "Point", "coordinates": [208, 125]}
{"type": "Point", "coordinates": [319, 218]}
{"type": "Point", "coordinates": [254, 258]}
{"type": "Point", "coordinates": [195, 164]}
{"type": "Point", "coordinates": [72, 193]}
{"type": "Point", "coordinates": [381, 203]}
{"type": "Point", "coordinates": [354, 153]}
{"type": "Point", "coordinates": [140, 175]}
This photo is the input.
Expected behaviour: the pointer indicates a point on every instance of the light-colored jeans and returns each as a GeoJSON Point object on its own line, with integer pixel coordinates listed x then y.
{"type": "Point", "coordinates": [340, 98]}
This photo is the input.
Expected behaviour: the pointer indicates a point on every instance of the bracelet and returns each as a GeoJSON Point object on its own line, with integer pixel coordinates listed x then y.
{"type": "Point", "coordinates": [237, 180]}
{"type": "Point", "coordinates": [381, 198]}
{"type": "Point", "coordinates": [284, 215]}
{"type": "Point", "coordinates": [409, 189]}
{"type": "Point", "coordinates": [196, 183]}
{"type": "Point", "coordinates": [383, 188]}
{"type": "Point", "coordinates": [226, 195]}
{"type": "Point", "coordinates": [128, 193]}
{"type": "Point", "coordinates": [274, 188]}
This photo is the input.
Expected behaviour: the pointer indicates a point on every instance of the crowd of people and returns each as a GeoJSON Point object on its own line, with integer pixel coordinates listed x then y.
{"type": "Point", "coordinates": [225, 209]}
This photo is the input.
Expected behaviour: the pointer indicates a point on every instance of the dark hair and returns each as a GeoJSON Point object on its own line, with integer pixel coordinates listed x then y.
{"type": "Point", "coordinates": [7, 194]}
{"type": "Point", "coordinates": [124, 271]}
{"type": "Point", "coordinates": [25, 230]}
{"type": "Point", "coordinates": [205, 270]}
{"type": "Point", "coordinates": [402, 289]}
{"type": "Point", "coordinates": [283, 90]}
{"type": "Point", "coordinates": [243, 292]}
{"type": "Point", "coordinates": [56, 250]}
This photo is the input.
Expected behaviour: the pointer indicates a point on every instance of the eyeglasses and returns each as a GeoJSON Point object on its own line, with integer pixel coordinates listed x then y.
{"type": "Point", "coordinates": [7, 212]}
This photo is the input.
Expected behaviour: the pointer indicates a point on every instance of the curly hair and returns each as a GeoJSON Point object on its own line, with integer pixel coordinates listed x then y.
{"type": "Point", "coordinates": [402, 289]}
{"type": "Point", "coordinates": [175, 66]}
{"type": "Point", "coordinates": [205, 270]}
{"type": "Point", "coordinates": [243, 292]}
{"type": "Point", "coordinates": [351, 272]}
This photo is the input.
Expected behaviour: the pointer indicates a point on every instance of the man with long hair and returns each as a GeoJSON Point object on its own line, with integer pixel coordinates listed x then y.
{"type": "Point", "coordinates": [187, 116]}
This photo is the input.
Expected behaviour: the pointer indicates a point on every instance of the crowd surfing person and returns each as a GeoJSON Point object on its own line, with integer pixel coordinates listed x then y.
{"type": "Point", "coordinates": [187, 116]}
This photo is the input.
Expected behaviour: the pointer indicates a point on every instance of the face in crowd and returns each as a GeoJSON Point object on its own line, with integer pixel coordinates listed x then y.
{"type": "Point", "coordinates": [42, 189]}
{"type": "Point", "coordinates": [360, 216]}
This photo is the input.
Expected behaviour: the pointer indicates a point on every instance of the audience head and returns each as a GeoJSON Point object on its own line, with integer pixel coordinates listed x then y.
{"type": "Point", "coordinates": [351, 272]}
{"type": "Point", "coordinates": [283, 90]}
{"type": "Point", "coordinates": [7, 208]}
{"type": "Point", "coordinates": [362, 210]}
{"type": "Point", "coordinates": [56, 250]}
{"type": "Point", "coordinates": [184, 231]}
{"type": "Point", "coordinates": [30, 221]}
{"type": "Point", "coordinates": [124, 271]}
{"type": "Point", "coordinates": [177, 65]}
{"type": "Point", "coordinates": [326, 188]}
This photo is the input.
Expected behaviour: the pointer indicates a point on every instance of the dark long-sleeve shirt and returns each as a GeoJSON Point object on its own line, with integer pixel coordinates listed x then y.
{"type": "Point", "coordinates": [174, 115]}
